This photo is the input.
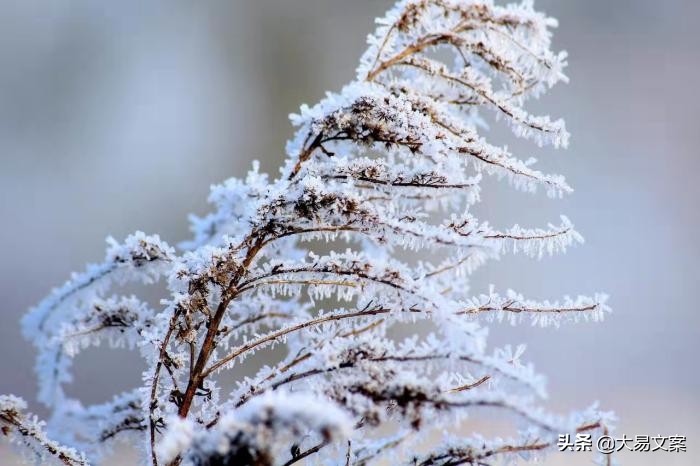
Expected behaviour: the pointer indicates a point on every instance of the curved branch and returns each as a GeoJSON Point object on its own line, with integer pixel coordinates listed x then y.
{"type": "Point", "coordinates": [286, 331]}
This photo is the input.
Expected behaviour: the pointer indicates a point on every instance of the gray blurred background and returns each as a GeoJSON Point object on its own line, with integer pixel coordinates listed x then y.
{"type": "Point", "coordinates": [117, 116]}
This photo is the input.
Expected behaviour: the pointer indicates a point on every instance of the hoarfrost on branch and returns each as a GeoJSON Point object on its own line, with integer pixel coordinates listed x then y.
{"type": "Point", "coordinates": [392, 162]}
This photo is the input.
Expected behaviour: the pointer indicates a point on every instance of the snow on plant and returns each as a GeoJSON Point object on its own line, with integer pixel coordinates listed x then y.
{"type": "Point", "coordinates": [392, 162]}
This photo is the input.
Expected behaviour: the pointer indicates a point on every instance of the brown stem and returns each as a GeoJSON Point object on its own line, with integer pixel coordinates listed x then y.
{"type": "Point", "coordinates": [306, 453]}
{"type": "Point", "coordinates": [306, 154]}
{"type": "Point", "coordinates": [469, 386]}
{"type": "Point", "coordinates": [285, 331]}
{"type": "Point", "coordinates": [154, 385]}
{"type": "Point", "coordinates": [198, 375]}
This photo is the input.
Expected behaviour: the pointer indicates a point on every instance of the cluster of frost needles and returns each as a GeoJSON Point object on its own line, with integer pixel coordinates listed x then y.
{"type": "Point", "coordinates": [388, 169]}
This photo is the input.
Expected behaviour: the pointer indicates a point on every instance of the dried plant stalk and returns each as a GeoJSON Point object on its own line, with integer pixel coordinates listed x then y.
{"type": "Point", "coordinates": [394, 161]}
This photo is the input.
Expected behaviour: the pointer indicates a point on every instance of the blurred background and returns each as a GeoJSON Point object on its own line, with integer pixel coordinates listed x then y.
{"type": "Point", "coordinates": [117, 116]}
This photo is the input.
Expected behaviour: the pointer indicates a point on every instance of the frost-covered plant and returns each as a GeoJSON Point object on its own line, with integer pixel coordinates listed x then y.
{"type": "Point", "coordinates": [391, 163]}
